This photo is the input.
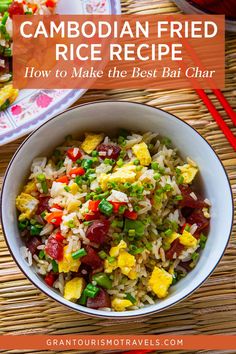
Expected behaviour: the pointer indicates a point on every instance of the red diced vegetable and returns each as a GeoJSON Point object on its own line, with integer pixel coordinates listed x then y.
{"type": "Point", "coordinates": [33, 244]}
{"type": "Point", "coordinates": [131, 215]}
{"type": "Point", "coordinates": [54, 248]}
{"type": "Point", "coordinates": [176, 247]}
{"type": "Point", "coordinates": [50, 279]}
{"type": "Point", "coordinates": [102, 299]}
{"type": "Point", "coordinates": [55, 218]}
{"type": "Point", "coordinates": [78, 171]}
{"type": "Point", "coordinates": [73, 155]}
{"type": "Point", "coordinates": [93, 205]}
{"type": "Point", "coordinates": [63, 179]}
{"type": "Point", "coordinates": [56, 206]}
{"type": "Point", "coordinates": [92, 259]}
{"type": "Point", "coordinates": [96, 232]}
{"type": "Point", "coordinates": [110, 151]}
{"type": "Point", "coordinates": [197, 217]}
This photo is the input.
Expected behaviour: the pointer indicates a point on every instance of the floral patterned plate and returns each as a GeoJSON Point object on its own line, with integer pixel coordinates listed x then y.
{"type": "Point", "coordinates": [33, 107]}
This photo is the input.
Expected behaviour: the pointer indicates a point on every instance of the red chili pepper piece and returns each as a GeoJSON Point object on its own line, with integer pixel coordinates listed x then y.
{"type": "Point", "coordinates": [93, 205]}
{"type": "Point", "coordinates": [131, 215]}
{"type": "Point", "coordinates": [101, 300]}
{"type": "Point", "coordinates": [56, 206]}
{"type": "Point", "coordinates": [16, 8]}
{"type": "Point", "coordinates": [176, 247]}
{"type": "Point", "coordinates": [55, 218]}
{"type": "Point", "coordinates": [73, 154]}
{"type": "Point", "coordinates": [50, 279]}
{"type": "Point", "coordinates": [78, 171]}
{"type": "Point", "coordinates": [63, 179]}
{"type": "Point", "coordinates": [54, 248]}
{"type": "Point", "coordinates": [96, 232]}
{"type": "Point", "coordinates": [92, 259]}
{"type": "Point", "coordinates": [110, 151]}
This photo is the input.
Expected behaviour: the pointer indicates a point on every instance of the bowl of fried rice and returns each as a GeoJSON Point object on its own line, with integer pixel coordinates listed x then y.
{"type": "Point", "coordinates": [116, 209]}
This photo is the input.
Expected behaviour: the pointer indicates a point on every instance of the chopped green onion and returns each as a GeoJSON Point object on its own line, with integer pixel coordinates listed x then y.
{"type": "Point", "coordinates": [166, 141]}
{"type": "Point", "coordinates": [187, 228]}
{"type": "Point", "coordinates": [95, 159]}
{"type": "Point", "coordinates": [130, 298]}
{"type": "Point", "coordinates": [7, 52]}
{"type": "Point", "coordinates": [87, 164]}
{"type": "Point", "coordinates": [103, 280]}
{"type": "Point", "coordinates": [120, 162]}
{"type": "Point", "coordinates": [41, 177]}
{"type": "Point", "coordinates": [22, 225]}
{"type": "Point", "coordinates": [149, 246]}
{"type": "Point", "coordinates": [78, 254]}
{"type": "Point", "coordinates": [136, 225]}
{"type": "Point", "coordinates": [67, 189]}
{"type": "Point", "coordinates": [41, 254]}
{"type": "Point", "coordinates": [180, 179]}
{"type": "Point", "coordinates": [122, 209]}
{"type": "Point", "coordinates": [168, 232]}
{"type": "Point", "coordinates": [35, 229]}
{"type": "Point", "coordinates": [79, 180]}
{"type": "Point", "coordinates": [136, 162]}
{"type": "Point", "coordinates": [54, 266]}
{"type": "Point", "coordinates": [167, 188]}
{"type": "Point", "coordinates": [121, 140]}
{"type": "Point", "coordinates": [83, 299]}
{"type": "Point", "coordinates": [178, 197]}
{"type": "Point", "coordinates": [131, 232]}
{"type": "Point", "coordinates": [87, 223]}
{"type": "Point", "coordinates": [94, 153]}
{"type": "Point", "coordinates": [195, 256]}
{"type": "Point", "coordinates": [157, 176]}
{"type": "Point", "coordinates": [155, 166]}
{"type": "Point", "coordinates": [203, 240]}
{"type": "Point", "coordinates": [4, 18]}
{"type": "Point", "coordinates": [108, 161]}
{"type": "Point", "coordinates": [139, 168]}
{"type": "Point", "coordinates": [91, 291]}
{"type": "Point", "coordinates": [71, 224]}
{"type": "Point", "coordinates": [111, 259]}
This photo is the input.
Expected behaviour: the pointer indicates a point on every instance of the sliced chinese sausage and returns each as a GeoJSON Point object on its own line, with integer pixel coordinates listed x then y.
{"type": "Point", "coordinates": [92, 259]}
{"type": "Point", "coordinates": [109, 151]}
{"type": "Point", "coordinates": [96, 232]}
{"type": "Point", "coordinates": [54, 248]}
{"type": "Point", "coordinates": [43, 205]}
{"type": "Point", "coordinates": [176, 247]}
{"type": "Point", "coordinates": [101, 300]}
{"type": "Point", "coordinates": [188, 200]}
{"type": "Point", "coordinates": [33, 244]}
{"type": "Point", "coordinates": [197, 217]}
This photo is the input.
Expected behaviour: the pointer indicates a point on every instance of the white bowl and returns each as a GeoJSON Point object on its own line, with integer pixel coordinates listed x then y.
{"type": "Point", "coordinates": [108, 116]}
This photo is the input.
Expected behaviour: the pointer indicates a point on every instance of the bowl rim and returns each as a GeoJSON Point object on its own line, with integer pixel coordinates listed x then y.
{"type": "Point", "coordinates": [107, 314]}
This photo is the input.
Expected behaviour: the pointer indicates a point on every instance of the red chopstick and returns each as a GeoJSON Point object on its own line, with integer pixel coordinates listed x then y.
{"type": "Point", "coordinates": [225, 104]}
{"type": "Point", "coordinates": [217, 117]}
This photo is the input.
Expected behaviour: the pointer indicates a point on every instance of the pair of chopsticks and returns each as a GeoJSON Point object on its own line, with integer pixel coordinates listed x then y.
{"type": "Point", "coordinates": [217, 116]}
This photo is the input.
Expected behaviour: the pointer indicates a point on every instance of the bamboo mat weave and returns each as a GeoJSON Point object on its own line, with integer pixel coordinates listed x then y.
{"type": "Point", "coordinates": [212, 308]}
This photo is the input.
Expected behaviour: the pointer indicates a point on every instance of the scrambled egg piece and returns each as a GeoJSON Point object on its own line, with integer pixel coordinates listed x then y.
{"type": "Point", "coordinates": [27, 205]}
{"type": "Point", "coordinates": [30, 187]}
{"type": "Point", "coordinates": [167, 241]}
{"type": "Point", "coordinates": [188, 172]}
{"type": "Point", "coordinates": [91, 142]}
{"type": "Point", "coordinates": [122, 175]}
{"type": "Point", "coordinates": [125, 261]}
{"type": "Point", "coordinates": [73, 206]}
{"type": "Point", "coordinates": [8, 93]}
{"type": "Point", "coordinates": [73, 289]}
{"type": "Point", "coordinates": [188, 239]}
{"type": "Point", "coordinates": [114, 251]}
{"type": "Point", "coordinates": [120, 304]}
{"type": "Point", "coordinates": [142, 153]}
{"type": "Point", "coordinates": [160, 282]}
{"type": "Point", "coordinates": [68, 264]}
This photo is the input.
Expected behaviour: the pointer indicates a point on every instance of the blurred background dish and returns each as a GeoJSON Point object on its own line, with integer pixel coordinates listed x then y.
{"type": "Point", "coordinates": [225, 7]}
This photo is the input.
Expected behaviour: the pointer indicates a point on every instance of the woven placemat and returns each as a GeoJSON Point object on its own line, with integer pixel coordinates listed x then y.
{"type": "Point", "coordinates": [212, 308]}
